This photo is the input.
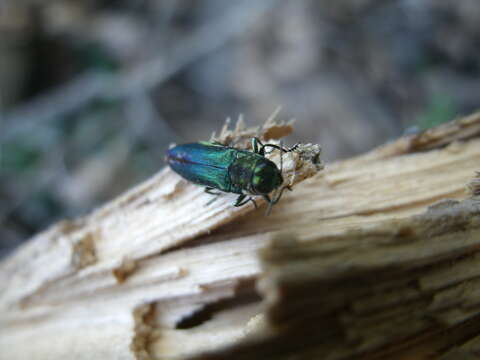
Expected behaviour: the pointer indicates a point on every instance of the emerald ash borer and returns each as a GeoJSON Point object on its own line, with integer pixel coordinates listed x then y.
{"type": "Point", "coordinates": [231, 170]}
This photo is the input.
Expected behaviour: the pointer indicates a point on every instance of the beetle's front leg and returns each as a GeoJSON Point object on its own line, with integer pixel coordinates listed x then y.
{"type": "Point", "coordinates": [281, 148]}
{"type": "Point", "coordinates": [255, 146]}
{"type": "Point", "coordinates": [242, 201]}
{"type": "Point", "coordinates": [277, 198]}
{"type": "Point", "coordinates": [259, 148]}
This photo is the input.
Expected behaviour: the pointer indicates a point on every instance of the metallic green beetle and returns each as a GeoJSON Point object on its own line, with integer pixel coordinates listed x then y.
{"type": "Point", "coordinates": [228, 169]}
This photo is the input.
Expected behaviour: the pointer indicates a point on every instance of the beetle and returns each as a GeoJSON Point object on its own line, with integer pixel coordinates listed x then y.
{"type": "Point", "coordinates": [231, 170]}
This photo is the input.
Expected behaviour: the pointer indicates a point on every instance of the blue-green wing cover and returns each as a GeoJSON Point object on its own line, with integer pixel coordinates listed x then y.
{"type": "Point", "coordinates": [202, 163]}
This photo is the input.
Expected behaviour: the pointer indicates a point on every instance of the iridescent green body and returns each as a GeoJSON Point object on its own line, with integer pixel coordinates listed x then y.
{"type": "Point", "coordinates": [228, 169]}
{"type": "Point", "coordinates": [225, 168]}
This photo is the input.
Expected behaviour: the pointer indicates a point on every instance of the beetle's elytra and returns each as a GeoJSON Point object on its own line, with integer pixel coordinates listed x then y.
{"type": "Point", "coordinates": [225, 168]}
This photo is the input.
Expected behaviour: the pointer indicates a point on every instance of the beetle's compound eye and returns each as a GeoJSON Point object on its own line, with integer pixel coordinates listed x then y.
{"type": "Point", "coordinates": [266, 177]}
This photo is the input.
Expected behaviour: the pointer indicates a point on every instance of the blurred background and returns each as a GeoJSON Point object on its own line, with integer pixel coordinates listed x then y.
{"type": "Point", "coordinates": [93, 92]}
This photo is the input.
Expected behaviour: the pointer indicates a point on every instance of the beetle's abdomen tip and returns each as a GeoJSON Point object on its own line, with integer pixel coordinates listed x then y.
{"type": "Point", "coordinates": [173, 153]}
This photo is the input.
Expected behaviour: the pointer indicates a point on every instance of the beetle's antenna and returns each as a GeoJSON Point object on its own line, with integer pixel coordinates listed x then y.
{"type": "Point", "coordinates": [276, 195]}
{"type": "Point", "coordinates": [279, 192]}
{"type": "Point", "coordinates": [276, 198]}
{"type": "Point", "coordinates": [281, 156]}
{"type": "Point", "coordinates": [269, 208]}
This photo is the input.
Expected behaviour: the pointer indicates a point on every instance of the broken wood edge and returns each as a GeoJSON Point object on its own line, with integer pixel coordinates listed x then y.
{"type": "Point", "coordinates": [240, 135]}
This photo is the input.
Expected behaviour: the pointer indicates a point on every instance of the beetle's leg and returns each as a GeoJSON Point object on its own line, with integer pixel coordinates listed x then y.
{"type": "Point", "coordinates": [262, 148]}
{"type": "Point", "coordinates": [281, 164]}
{"type": "Point", "coordinates": [208, 190]}
{"type": "Point", "coordinates": [281, 158]}
{"type": "Point", "coordinates": [242, 201]}
{"type": "Point", "coordinates": [273, 146]}
{"type": "Point", "coordinates": [215, 194]}
{"type": "Point", "coordinates": [213, 199]}
{"type": "Point", "coordinates": [293, 148]}
{"type": "Point", "coordinates": [270, 204]}
{"type": "Point", "coordinates": [277, 198]}
{"type": "Point", "coordinates": [259, 148]}
{"type": "Point", "coordinates": [255, 143]}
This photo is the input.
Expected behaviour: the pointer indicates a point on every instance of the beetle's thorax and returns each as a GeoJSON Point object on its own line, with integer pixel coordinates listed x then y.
{"type": "Point", "coordinates": [244, 174]}
{"type": "Point", "coordinates": [240, 171]}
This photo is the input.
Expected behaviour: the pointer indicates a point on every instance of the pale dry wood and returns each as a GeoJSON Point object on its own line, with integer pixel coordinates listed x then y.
{"type": "Point", "coordinates": [353, 263]}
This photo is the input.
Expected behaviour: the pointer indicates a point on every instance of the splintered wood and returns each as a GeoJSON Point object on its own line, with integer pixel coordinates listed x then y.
{"type": "Point", "coordinates": [372, 257]}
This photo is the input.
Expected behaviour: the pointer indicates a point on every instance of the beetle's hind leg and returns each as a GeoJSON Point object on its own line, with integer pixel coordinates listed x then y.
{"type": "Point", "coordinates": [209, 190]}
{"type": "Point", "coordinates": [216, 194]}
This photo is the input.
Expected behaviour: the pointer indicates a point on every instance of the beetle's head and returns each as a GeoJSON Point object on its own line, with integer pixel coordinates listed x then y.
{"type": "Point", "coordinates": [266, 177]}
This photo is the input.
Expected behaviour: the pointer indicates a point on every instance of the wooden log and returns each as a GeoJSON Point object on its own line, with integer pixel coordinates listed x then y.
{"type": "Point", "coordinates": [374, 257]}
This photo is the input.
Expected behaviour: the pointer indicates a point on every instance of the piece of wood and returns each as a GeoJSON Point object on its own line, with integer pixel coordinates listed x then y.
{"type": "Point", "coordinates": [375, 256]}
